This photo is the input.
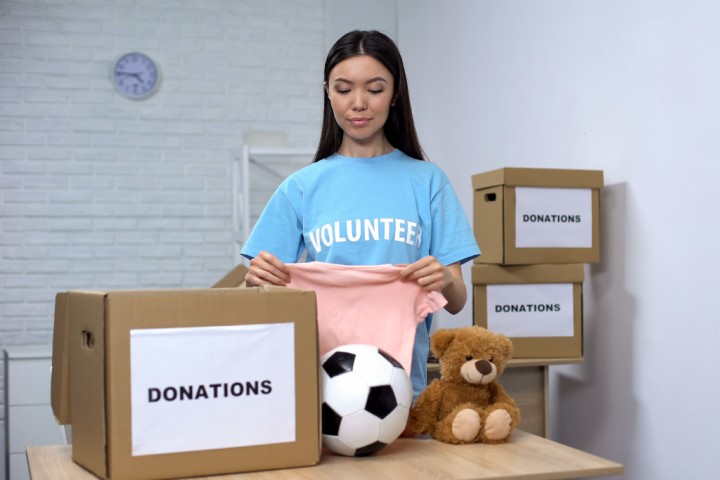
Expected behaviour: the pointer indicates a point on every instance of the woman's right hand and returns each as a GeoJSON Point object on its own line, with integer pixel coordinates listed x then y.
{"type": "Point", "coordinates": [267, 269]}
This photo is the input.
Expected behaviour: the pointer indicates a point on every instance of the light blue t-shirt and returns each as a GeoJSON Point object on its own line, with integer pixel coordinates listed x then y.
{"type": "Point", "coordinates": [367, 211]}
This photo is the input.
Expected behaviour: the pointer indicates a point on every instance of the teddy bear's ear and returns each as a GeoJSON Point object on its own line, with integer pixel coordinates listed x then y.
{"type": "Point", "coordinates": [441, 340]}
{"type": "Point", "coordinates": [507, 346]}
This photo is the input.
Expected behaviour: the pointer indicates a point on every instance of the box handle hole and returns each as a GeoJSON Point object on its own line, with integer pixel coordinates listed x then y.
{"type": "Point", "coordinates": [490, 197]}
{"type": "Point", "coordinates": [88, 339]}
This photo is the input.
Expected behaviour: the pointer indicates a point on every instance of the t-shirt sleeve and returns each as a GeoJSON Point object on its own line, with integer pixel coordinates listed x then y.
{"type": "Point", "coordinates": [427, 303]}
{"type": "Point", "coordinates": [452, 238]}
{"type": "Point", "coordinates": [278, 230]}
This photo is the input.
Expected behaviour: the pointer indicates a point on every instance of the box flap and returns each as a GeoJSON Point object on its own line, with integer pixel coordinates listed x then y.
{"type": "Point", "coordinates": [60, 376]}
{"type": "Point", "coordinates": [539, 177]}
{"type": "Point", "coordinates": [234, 278]}
{"type": "Point", "coordinates": [503, 274]}
{"type": "Point", "coordinates": [86, 343]}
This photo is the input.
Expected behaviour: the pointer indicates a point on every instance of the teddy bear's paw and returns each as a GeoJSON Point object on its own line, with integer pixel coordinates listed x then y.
{"type": "Point", "coordinates": [498, 424]}
{"type": "Point", "coordinates": [466, 425]}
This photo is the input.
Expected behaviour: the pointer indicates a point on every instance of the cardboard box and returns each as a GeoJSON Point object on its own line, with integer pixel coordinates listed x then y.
{"type": "Point", "coordinates": [538, 306]}
{"type": "Point", "coordinates": [537, 215]}
{"type": "Point", "coordinates": [234, 278]}
{"type": "Point", "coordinates": [183, 383]}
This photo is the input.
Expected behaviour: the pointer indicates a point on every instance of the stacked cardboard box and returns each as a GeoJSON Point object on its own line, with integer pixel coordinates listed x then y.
{"type": "Point", "coordinates": [537, 228]}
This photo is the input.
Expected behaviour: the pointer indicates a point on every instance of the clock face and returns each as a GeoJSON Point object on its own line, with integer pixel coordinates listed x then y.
{"type": "Point", "coordinates": [135, 75]}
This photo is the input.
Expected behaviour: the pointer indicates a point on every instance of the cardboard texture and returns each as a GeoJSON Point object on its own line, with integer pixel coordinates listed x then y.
{"type": "Point", "coordinates": [494, 214]}
{"type": "Point", "coordinates": [533, 347]}
{"type": "Point", "coordinates": [91, 362]}
{"type": "Point", "coordinates": [234, 278]}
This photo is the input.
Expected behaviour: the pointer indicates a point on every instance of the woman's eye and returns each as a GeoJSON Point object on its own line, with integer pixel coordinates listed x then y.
{"type": "Point", "coordinates": [342, 92]}
{"type": "Point", "coordinates": [376, 92]}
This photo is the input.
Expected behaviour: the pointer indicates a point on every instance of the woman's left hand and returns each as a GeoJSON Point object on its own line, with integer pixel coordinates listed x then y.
{"type": "Point", "coordinates": [428, 273]}
{"type": "Point", "coordinates": [433, 275]}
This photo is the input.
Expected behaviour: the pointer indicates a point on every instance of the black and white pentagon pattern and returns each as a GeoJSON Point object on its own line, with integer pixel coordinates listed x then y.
{"type": "Point", "coordinates": [366, 399]}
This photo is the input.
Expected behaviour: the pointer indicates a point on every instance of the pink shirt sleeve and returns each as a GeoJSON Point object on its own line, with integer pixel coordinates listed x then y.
{"type": "Point", "coordinates": [429, 302]}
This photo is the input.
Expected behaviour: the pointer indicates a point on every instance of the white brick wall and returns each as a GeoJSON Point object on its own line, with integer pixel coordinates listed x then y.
{"type": "Point", "coordinates": [101, 192]}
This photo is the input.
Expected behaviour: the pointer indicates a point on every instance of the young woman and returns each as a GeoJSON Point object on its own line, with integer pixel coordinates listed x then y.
{"type": "Point", "coordinates": [369, 197]}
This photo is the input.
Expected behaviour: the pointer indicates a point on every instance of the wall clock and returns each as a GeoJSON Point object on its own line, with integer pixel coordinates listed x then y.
{"type": "Point", "coordinates": [135, 76]}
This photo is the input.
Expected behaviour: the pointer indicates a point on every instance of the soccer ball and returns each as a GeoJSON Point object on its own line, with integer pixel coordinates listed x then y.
{"type": "Point", "coordinates": [366, 399]}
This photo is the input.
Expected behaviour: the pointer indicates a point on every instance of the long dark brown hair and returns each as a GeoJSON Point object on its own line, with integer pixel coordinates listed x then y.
{"type": "Point", "coordinates": [399, 128]}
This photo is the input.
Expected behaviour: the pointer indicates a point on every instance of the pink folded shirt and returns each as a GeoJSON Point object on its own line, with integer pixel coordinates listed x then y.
{"type": "Point", "coordinates": [368, 304]}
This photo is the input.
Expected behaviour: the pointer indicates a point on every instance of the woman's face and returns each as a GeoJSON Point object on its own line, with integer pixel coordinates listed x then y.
{"type": "Point", "coordinates": [360, 90]}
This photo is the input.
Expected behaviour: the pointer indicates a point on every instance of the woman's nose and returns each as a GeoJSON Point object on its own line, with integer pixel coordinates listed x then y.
{"type": "Point", "coordinates": [359, 103]}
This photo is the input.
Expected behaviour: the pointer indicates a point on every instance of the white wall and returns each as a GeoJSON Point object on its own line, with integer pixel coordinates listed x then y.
{"type": "Point", "coordinates": [342, 16]}
{"type": "Point", "coordinates": [630, 88]}
{"type": "Point", "coordinates": [101, 192]}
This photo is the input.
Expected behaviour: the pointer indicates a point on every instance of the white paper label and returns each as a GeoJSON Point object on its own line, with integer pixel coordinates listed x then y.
{"type": "Point", "coordinates": [205, 388]}
{"type": "Point", "coordinates": [553, 217]}
{"type": "Point", "coordinates": [531, 310]}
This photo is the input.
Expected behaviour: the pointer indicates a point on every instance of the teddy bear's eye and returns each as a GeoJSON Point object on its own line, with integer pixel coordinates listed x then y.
{"type": "Point", "coordinates": [491, 360]}
{"type": "Point", "coordinates": [468, 357]}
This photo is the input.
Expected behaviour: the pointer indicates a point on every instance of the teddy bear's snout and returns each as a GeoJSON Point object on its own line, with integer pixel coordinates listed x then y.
{"type": "Point", "coordinates": [479, 372]}
{"type": "Point", "coordinates": [483, 366]}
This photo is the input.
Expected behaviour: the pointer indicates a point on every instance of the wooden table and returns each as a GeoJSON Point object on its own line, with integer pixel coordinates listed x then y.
{"type": "Point", "coordinates": [526, 456]}
{"type": "Point", "coordinates": [527, 381]}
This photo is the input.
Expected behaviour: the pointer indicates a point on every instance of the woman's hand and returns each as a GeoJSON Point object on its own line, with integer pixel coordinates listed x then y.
{"type": "Point", "coordinates": [267, 269]}
{"type": "Point", "coordinates": [428, 273]}
{"type": "Point", "coordinates": [433, 275]}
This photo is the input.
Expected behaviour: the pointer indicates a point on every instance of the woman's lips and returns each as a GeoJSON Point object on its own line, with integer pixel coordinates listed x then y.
{"type": "Point", "coordinates": [359, 122]}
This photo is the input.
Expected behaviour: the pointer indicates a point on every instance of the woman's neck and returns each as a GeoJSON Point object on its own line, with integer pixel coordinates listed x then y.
{"type": "Point", "coordinates": [350, 148]}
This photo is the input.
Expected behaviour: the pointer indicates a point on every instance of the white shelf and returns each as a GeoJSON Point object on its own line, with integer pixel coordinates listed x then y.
{"type": "Point", "coordinates": [241, 184]}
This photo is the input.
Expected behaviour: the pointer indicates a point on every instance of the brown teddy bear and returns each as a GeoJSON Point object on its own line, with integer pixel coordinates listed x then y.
{"type": "Point", "coordinates": [467, 404]}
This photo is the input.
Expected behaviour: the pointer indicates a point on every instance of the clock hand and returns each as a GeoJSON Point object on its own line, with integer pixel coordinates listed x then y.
{"type": "Point", "coordinates": [129, 74]}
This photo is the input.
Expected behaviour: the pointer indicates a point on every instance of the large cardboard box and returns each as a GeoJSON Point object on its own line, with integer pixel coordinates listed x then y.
{"type": "Point", "coordinates": [181, 383]}
{"type": "Point", "coordinates": [538, 306]}
{"type": "Point", "coordinates": [537, 215]}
